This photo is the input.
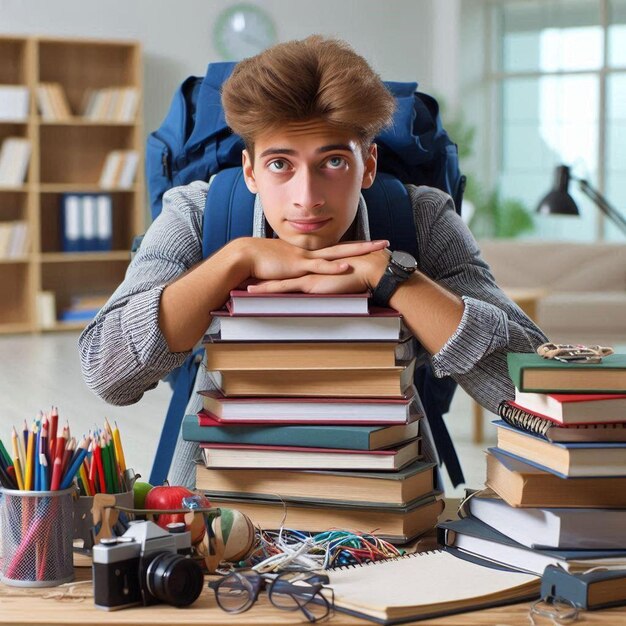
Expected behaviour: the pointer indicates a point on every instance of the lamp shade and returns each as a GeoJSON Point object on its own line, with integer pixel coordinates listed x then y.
{"type": "Point", "coordinates": [558, 201]}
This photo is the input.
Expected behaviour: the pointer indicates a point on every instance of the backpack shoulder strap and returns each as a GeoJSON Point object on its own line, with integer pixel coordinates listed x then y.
{"type": "Point", "coordinates": [390, 215]}
{"type": "Point", "coordinates": [228, 212]}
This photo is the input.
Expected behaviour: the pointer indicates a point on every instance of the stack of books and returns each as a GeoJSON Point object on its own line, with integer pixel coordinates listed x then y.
{"type": "Point", "coordinates": [556, 482]}
{"type": "Point", "coordinates": [14, 160]}
{"type": "Point", "coordinates": [52, 102]}
{"type": "Point", "coordinates": [315, 424]}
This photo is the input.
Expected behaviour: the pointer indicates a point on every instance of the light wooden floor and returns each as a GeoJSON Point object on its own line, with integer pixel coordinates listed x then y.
{"type": "Point", "coordinates": [38, 371]}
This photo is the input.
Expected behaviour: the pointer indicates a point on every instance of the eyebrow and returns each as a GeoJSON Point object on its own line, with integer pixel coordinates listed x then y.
{"type": "Point", "coordinates": [289, 151]}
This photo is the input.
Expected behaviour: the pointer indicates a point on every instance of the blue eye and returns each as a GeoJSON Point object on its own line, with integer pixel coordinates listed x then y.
{"type": "Point", "coordinates": [336, 162]}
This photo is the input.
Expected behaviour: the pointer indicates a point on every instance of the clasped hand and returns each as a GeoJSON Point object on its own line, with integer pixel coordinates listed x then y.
{"type": "Point", "coordinates": [351, 267]}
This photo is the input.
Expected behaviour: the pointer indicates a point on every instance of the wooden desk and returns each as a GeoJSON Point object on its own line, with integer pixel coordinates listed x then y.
{"type": "Point", "coordinates": [73, 604]}
{"type": "Point", "coordinates": [527, 300]}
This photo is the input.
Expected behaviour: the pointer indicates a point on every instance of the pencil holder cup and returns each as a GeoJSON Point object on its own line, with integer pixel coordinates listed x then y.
{"type": "Point", "coordinates": [83, 517]}
{"type": "Point", "coordinates": [36, 537]}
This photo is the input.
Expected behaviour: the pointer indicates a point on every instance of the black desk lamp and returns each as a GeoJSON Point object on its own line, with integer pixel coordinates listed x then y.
{"type": "Point", "coordinates": [559, 202]}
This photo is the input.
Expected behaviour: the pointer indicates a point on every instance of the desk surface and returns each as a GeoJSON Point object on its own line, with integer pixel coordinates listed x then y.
{"type": "Point", "coordinates": [73, 604]}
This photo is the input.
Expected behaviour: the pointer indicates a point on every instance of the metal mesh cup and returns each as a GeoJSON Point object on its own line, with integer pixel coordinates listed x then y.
{"type": "Point", "coordinates": [36, 537]}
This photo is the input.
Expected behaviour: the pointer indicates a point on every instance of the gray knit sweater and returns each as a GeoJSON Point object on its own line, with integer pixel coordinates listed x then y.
{"type": "Point", "coordinates": [124, 354]}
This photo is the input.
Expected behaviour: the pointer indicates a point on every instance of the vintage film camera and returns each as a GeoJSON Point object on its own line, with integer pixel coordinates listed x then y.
{"type": "Point", "coordinates": [146, 565]}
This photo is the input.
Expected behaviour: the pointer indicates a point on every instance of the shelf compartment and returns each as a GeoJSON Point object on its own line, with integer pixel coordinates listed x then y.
{"type": "Point", "coordinates": [13, 205]}
{"type": "Point", "coordinates": [76, 154]}
{"type": "Point", "coordinates": [70, 280]}
{"type": "Point", "coordinates": [13, 66]}
{"type": "Point", "coordinates": [16, 306]}
{"type": "Point", "coordinates": [122, 227]}
{"type": "Point", "coordinates": [88, 64]}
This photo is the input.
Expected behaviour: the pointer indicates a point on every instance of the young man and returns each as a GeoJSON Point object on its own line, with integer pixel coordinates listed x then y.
{"type": "Point", "coordinates": [308, 112]}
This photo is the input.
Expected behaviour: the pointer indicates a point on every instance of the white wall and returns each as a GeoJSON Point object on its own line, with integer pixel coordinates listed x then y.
{"type": "Point", "coordinates": [396, 36]}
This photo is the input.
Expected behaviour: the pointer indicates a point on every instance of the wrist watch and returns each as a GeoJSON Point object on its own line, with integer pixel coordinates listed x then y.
{"type": "Point", "coordinates": [400, 268]}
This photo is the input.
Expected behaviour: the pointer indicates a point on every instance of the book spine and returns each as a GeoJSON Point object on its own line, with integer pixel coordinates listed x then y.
{"type": "Point", "coordinates": [523, 420]}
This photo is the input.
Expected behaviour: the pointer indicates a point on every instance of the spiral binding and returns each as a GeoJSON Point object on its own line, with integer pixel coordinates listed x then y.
{"type": "Point", "coordinates": [408, 555]}
{"type": "Point", "coordinates": [518, 418]}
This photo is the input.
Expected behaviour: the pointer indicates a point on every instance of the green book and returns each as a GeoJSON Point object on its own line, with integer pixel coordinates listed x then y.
{"type": "Point", "coordinates": [346, 437]}
{"type": "Point", "coordinates": [530, 372]}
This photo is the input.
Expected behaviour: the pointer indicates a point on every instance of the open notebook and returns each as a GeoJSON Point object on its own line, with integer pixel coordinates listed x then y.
{"type": "Point", "coordinates": [423, 585]}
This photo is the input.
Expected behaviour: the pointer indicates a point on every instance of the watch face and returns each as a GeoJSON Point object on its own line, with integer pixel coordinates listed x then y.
{"type": "Point", "coordinates": [243, 30]}
{"type": "Point", "coordinates": [404, 260]}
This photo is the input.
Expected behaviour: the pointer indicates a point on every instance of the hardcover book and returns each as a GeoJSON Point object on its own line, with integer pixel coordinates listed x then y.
{"type": "Point", "coordinates": [295, 457]}
{"type": "Point", "coordinates": [379, 324]}
{"type": "Point", "coordinates": [244, 355]}
{"type": "Point", "coordinates": [558, 528]}
{"type": "Point", "coordinates": [532, 373]}
{"type": "Point", "coordinates": [360, 382]}
{"type": "Point", "coordinates": [573, 408]}
{"type": "Point", "coordinates": [584, 459]}
{"type": "Point", "coordinates": [472, 537]}
{"type": "Point", "coordinates": [242, 302]}
{"type": "Point", "coordinates": [522, 484]}
{"type": "Point", "coordinates": [397, 525]}
{"type": "Point", "coordinates": [555, 431]}
{"type": "Point", "coordinates": [299, 410]}
{"type": "Point", "coordinates": [315, 436]}
{"type": "Point", "coordinates": [386, 488]}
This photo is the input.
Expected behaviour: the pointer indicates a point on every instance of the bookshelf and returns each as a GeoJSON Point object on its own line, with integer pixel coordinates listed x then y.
{"type": "Point", "coordinates": [67, 157]}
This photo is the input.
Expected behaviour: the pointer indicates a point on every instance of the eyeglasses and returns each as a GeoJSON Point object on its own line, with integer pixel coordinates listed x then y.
{"type": "Point", "coordinates": [289, 591]}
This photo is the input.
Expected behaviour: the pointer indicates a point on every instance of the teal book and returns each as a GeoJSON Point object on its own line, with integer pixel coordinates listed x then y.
{"type": "Point", "coordinates": [530, 372]}
{"type": "Point", "coordinates": [346, 437]}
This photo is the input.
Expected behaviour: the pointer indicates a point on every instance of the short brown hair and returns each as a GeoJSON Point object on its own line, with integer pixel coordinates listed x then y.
{"type": "Point", "coordinates": [313, 78]}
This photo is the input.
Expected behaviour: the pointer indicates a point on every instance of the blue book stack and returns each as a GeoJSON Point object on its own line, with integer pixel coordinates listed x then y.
{"type": "Point", "coordinates": [86, 222]}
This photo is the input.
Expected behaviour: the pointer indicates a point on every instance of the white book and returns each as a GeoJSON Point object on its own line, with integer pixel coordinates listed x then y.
{"type": "Point", "coordinates": [321, 327]}
{"type": "Point", "coordinates": [104, 224]}
{"type": "Point", "coordinates": [563, 529]}
{"type": "Point", "coordinates": [13, 102]}
{"type": "Point", "coordinates": [129, 169]}
{"type": "Point", "coordinates": [14, 159]}
{"type": "Point", "coordinates": [89, 222]}
{"type": "Point", "coordinates": [5, 239]}
{"type": "Point", "coordinates": [46, 309]}
{"type": "Point", "coordinates": [72, 223]}
{"type": "Point", "coordinates": [111, 169]}
{"type": "Point", "coordinates": [130, 102]}
{"type": "Point", "coordinates": [18, 244]}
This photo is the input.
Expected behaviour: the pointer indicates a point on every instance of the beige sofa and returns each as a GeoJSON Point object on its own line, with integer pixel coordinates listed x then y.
{"type": "Point", "coordinates": [584, 285]}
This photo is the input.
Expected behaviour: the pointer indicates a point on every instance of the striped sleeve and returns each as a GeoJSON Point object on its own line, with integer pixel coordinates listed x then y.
{"type": "Point", "coordinates": [492, 324]}
{"type": "Point", "coordinates": [122, 351]}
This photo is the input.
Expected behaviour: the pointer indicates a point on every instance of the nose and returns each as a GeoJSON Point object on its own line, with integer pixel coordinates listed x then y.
{"type": "Point", "coordinates": [308, 191]}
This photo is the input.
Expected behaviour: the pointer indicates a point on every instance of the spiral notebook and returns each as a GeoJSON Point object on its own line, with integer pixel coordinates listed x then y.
{"type": "Point", "coordinates": [424, 585]}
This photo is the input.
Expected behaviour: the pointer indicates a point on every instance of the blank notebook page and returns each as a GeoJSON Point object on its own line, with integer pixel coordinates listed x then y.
{"type": "Point", "coordinates": [429, 580]}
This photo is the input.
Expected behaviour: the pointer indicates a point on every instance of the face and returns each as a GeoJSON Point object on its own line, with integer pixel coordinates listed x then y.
{"type": "Point", "coordinates": [309, 177]}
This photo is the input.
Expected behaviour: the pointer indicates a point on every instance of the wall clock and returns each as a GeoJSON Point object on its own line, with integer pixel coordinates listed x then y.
{"type": "Point", "coordinates": [243, 30]}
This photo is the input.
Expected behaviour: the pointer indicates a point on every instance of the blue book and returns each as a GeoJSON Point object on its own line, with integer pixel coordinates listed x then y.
{"type": "Point", "coordinates": [345, 437]}
{"type": "Point", "coordinates": [471, 537]}
{"type": "Point", "coordinates": [71, 223]}
{"type": "Point", "coordinates": [577, 459]}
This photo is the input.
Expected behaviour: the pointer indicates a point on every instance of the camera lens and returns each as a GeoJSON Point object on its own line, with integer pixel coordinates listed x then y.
{"type": "Point", "coordinates": [174, 579]}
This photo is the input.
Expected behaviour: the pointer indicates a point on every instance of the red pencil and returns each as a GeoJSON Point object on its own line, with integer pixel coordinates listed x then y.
{"type": "Point", "coordinates": [56, 473]}
{"type": "Point", "coordinates": [54, 424]}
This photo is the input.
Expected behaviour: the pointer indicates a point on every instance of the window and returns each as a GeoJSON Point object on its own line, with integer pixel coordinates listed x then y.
{"type": "Point", "coordinates": [559, 83]}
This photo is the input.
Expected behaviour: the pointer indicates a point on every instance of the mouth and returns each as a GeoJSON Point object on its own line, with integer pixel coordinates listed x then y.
{"type": "Point", "coordinates": [308, 226]}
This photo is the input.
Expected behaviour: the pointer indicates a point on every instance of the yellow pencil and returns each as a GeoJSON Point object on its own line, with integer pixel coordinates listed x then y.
{"type": "Point", "coordinates": [30, 457]}
{"type": "Point", "coordinates": [16, 459]}
{"type": "Point", "coordinates": [83, 479]}
{"type": "Point", "coordinates": [17, 466]}
{"type": "Point", "coordinates": [119, 452]}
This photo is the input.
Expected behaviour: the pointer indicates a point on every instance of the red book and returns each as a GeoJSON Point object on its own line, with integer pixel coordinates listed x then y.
{"type": "Point", "coordinates": [242, 302]}
{"type": "Point", "coordinates": [573, 408]}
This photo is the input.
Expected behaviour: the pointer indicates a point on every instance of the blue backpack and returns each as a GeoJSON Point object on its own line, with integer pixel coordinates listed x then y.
{"type": "Point", "coordinates": [195, 143]}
